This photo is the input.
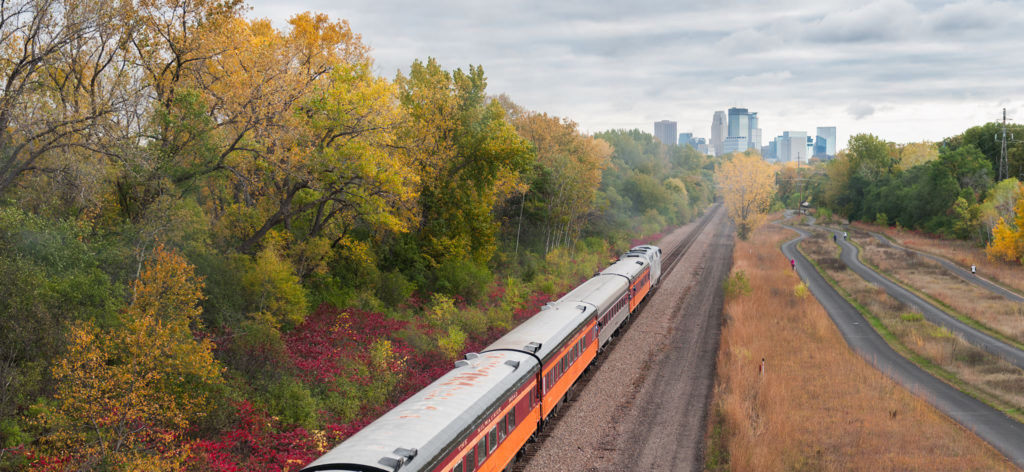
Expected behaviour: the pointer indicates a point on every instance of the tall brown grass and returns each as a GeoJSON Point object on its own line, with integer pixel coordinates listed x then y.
{"type": "Point", "coordinates": [818, 405]}
{"type": "Point", "coordinates": [980, 373]}
{"type": "Point", "coordinates": [962, 252]}
{"type": "Point", "coordinates": [931, 278]}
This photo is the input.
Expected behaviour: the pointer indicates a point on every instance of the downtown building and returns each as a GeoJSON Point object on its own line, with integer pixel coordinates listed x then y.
{"type": "Point", "coordinates": [825, 142]}
{"type": "Point", "coordinates": [719, 130]}
{"type": "Point", "coordinates": [665, 131]}
{"type": "Point", "coordinates": [735, 132]}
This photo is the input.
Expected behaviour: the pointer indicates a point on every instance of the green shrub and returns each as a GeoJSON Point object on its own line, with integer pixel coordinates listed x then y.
{"type": "Point", "coordinates": [881, 219]}
{"type": "Point", "coordinates": [800, 290]}
{"type": "Point", "coordinates": [737, 285]}
{"type": "Point", "coordinates": [292, 402]}
{"type": "Point", "coordinates": [394, 289]}
{"type": "Point", "coordinates": [912, 317]}
{"type": "Point", "coordinates": [463, 277]}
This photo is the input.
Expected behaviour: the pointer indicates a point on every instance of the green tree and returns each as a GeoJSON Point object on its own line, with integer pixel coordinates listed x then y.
{"type": "Point", "coordinates": [467, 155]}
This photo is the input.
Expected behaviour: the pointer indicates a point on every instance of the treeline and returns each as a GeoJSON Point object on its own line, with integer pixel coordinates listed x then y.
{"type": "Point", "coordinates": [948, 188]}
{"type": "Point", "coordinates": [226, 245]}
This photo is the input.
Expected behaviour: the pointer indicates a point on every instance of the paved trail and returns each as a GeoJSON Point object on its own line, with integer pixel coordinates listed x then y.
{"type": "Point", "coordinates": [999, 430]}
{"type": "Point", "coordinates": [959, 271]}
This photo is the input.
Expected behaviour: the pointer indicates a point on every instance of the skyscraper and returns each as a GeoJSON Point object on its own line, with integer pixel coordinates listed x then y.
{"type": "Point", "coordinates": [719, 130]}
{"type": "Point", "coordinates": [825, 142]}
{"type": "Point", "coordinates": [743, 132]}
{"type": "Point", "coordinates": [739, 124]}
{"type": "Point", "coordinates": [754, 133]}
{"type": "Point", "coordinates": [665, 131]}
{"type": "Point", "coordinates": [685, 138]}
{"type": "Point", "coordinates": [792, 146]}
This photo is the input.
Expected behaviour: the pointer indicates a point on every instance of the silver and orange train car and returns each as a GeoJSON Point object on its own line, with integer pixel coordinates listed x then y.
{"type": "Point", "coordinates": [477, 417]}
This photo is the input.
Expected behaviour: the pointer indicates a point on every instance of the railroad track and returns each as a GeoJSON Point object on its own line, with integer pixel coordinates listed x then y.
{"type": "Point", "coordinates": [668, 264]}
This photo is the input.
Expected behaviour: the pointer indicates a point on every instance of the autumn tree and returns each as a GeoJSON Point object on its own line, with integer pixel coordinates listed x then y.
{"type": "Point", "coordinates": [126, 397]}
{"type": "Point", "coordinates": [747, 183]}
{"type": "Point", "coordinates": [64, 77]}
{"type": "Point", "coordinates": [566, 176]}
{"type": "Point", "coordinates": [1008, 235]}
{"type": "Point", "coordinates": [914, 154]}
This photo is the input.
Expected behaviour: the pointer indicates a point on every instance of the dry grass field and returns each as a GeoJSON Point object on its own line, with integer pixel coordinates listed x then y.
{"type": "Point", "coordinates": [818, 406]}
{"type": "Point", "coordinates": [971, 369]}
{"type": "Point", "coordinates": [925, 275]}
{"type": "Point", "coordinates": [962, 252]}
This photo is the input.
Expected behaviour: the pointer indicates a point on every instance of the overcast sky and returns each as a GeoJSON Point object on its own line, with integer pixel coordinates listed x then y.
{"type": "Point", "coordinates": [902, 70]}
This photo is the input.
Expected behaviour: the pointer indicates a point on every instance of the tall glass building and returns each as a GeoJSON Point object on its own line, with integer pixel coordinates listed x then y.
{"type": "Point", "coordinates": [826, 147]}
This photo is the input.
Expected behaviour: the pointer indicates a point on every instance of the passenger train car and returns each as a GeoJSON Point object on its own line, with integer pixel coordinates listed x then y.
{"type": "Point", "coordinates": [477, 417]}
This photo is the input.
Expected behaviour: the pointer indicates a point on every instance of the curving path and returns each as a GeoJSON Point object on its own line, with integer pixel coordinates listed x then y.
{"type": "Point", "coordinates": [932, 313]}
{"type": "Point", "coordinates": [999, 430]}
{"type": "Point", "coordinates": [959, 271]}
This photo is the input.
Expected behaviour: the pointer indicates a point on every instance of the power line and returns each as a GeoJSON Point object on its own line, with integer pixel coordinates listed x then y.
{"type": "Point", "coordinates": [1004, 169]}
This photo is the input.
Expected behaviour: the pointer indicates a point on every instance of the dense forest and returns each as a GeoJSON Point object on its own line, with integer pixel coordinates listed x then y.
{"type": "Point", "coordinates": [227, 246]}
{"type": "Point", "coordinates": [949, 189]}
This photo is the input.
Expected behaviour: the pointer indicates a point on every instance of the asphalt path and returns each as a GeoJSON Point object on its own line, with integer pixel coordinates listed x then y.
{"type": "Point", "coordinates": [959, 271]}
{"type": "Point", "coordinates": [932, 313]}
{"type": "Point", "coordinates": [999, 430]}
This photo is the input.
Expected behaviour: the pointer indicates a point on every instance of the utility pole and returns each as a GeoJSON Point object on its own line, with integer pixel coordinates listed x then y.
{"type": "Point", "coordinates": [1004, 169]}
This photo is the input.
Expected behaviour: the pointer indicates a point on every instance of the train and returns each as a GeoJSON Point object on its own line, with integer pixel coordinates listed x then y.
{"type": "Point", "coordinates": [480, 415]}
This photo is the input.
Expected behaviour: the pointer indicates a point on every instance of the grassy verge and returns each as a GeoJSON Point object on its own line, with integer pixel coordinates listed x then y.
{"type": "Point", "coordinates": [934, 349]}
{"type": "Point", "coordinates": [1007, 274]}
{"type": "Point", "coordinates": [818, 405]}
{"type": "Point", "coordinates": [971, 304]}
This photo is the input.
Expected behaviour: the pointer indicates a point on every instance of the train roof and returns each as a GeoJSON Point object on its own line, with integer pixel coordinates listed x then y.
{"type": "Point", "coordinates": [601, 290]}
{"type": "Point", "coordinates": [544, 331]}
{"type": "Point", "coordinates": [418, 432]}
{"type": "Point", "coordinates": [630, 266]}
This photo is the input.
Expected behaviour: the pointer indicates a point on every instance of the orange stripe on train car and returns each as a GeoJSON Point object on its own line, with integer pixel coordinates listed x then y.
{"type": "Point", "coordinates": [523, 429]}
{"type": "Point", "coordinates": [507, 450]}
{"type": "Point", "coordinates": [562, 385]}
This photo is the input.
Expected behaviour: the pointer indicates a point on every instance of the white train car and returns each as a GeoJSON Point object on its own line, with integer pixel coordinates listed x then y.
{"type": "Point", "coordinates": [563, 337]}
{"type": "Point", "coordinates": [476, 417]}
{"type": "Point", "coordinates": [608, 295]}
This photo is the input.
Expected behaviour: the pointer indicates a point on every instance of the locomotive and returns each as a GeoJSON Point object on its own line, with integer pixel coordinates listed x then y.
{"type": "Point", "coordinates": [478, 416]}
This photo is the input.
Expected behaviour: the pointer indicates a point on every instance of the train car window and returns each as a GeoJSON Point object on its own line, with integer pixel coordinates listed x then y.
{"type": "Point", "coordinates": [492, 437]}
{"type": "Point", "coordinates": [481, 451]}
{"type": "Point", "coordinates": [511, 417]}
{"type": "Point", "coordinates": [502, 428]}
{"type": "Point", "coordinates": [470, 460]}
{"type": "Point", "coordinates": [458, 467]}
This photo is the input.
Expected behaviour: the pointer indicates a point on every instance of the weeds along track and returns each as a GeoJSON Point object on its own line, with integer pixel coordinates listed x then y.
{"type": "Point", "coordinates": [669, 261]}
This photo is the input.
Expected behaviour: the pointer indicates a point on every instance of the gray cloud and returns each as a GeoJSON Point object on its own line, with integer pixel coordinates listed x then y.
{"type": "Point", "coordinates": [860, 110]}
{"type": "Point", "coordinates": [862, 65]}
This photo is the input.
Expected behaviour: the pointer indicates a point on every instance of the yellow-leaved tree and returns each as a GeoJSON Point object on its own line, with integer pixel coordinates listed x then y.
{"type": "Point", "coordinates": [125, 398]}
{"type": "Point", "coordinates": [1008, 236]}
{"type": "Point", "coordinates": [747, 183]}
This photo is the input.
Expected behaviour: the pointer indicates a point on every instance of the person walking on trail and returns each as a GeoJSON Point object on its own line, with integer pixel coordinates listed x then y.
{"type": "Point", "coordinates": [834, 238]}
{"type": "Point", "coordinates": [974, 269]}
{"type": "Point", "coordinates": [792, 264]}
{"type": "Point", "coordinates": [844, 235]}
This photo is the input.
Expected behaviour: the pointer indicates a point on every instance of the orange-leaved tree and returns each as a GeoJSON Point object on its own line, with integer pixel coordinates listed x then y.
{"type": "Point", "coordinates": [125, 398]}
{"type": "Point", "coordinates": [747, 183]}
{"type": "Point", "coordinates": [1008, 236]}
